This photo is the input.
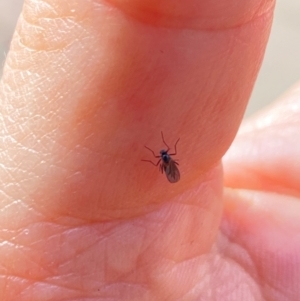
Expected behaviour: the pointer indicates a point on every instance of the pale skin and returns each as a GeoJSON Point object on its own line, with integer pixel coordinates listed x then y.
{"type": "Point", "coordinates": [85, 86]}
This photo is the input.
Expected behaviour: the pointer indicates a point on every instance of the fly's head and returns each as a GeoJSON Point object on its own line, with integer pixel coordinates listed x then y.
{"type": "Point", "coordinates": [165, 156]}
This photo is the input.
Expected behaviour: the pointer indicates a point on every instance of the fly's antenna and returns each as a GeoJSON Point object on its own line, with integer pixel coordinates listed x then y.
{"type": "Point", "coordinates": [163, 139]}
{"type": "Point", "coordinates": [151, 151]}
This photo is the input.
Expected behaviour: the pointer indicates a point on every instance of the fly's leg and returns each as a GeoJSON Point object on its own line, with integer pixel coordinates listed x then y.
{"type": "Point", "coordinates": [175, 148]}
{"type": "Point", "coordinates": [152, 162]}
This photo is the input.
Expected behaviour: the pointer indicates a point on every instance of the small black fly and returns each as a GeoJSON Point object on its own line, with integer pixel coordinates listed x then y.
{"type": "Point", "coordinates": [167, 164]}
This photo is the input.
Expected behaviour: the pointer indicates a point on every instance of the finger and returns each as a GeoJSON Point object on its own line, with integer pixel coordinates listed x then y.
{"type": "Point", "coordinates": [259, 246]}
{"type": "Point", "coordinates": [265, 155]}
{"type": "Point", "coordinates": [106, 84]}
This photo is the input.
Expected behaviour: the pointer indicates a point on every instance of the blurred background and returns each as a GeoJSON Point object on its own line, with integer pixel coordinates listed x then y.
{"type": "Point", "coordinates": [281, 65]}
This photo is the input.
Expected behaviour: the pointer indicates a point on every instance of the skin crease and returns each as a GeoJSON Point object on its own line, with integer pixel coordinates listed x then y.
{"type": "Point", "coordinates": [85, 86]}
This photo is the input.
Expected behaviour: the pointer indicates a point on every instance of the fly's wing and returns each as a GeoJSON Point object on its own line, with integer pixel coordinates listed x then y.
{"type": "Point", "coordinates": [172, 172]}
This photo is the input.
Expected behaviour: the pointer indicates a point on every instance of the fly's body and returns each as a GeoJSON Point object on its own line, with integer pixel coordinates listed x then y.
{"type": "Point", "coordinates": [166, 163]}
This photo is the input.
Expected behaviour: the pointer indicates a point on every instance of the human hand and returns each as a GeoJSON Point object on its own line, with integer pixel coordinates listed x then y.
{"type": "Point", "coordinates": [85, 86]}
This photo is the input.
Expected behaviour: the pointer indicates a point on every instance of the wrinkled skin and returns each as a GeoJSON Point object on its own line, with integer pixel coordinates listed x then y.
{"type": "Point", "coordinates": [85, 86]}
